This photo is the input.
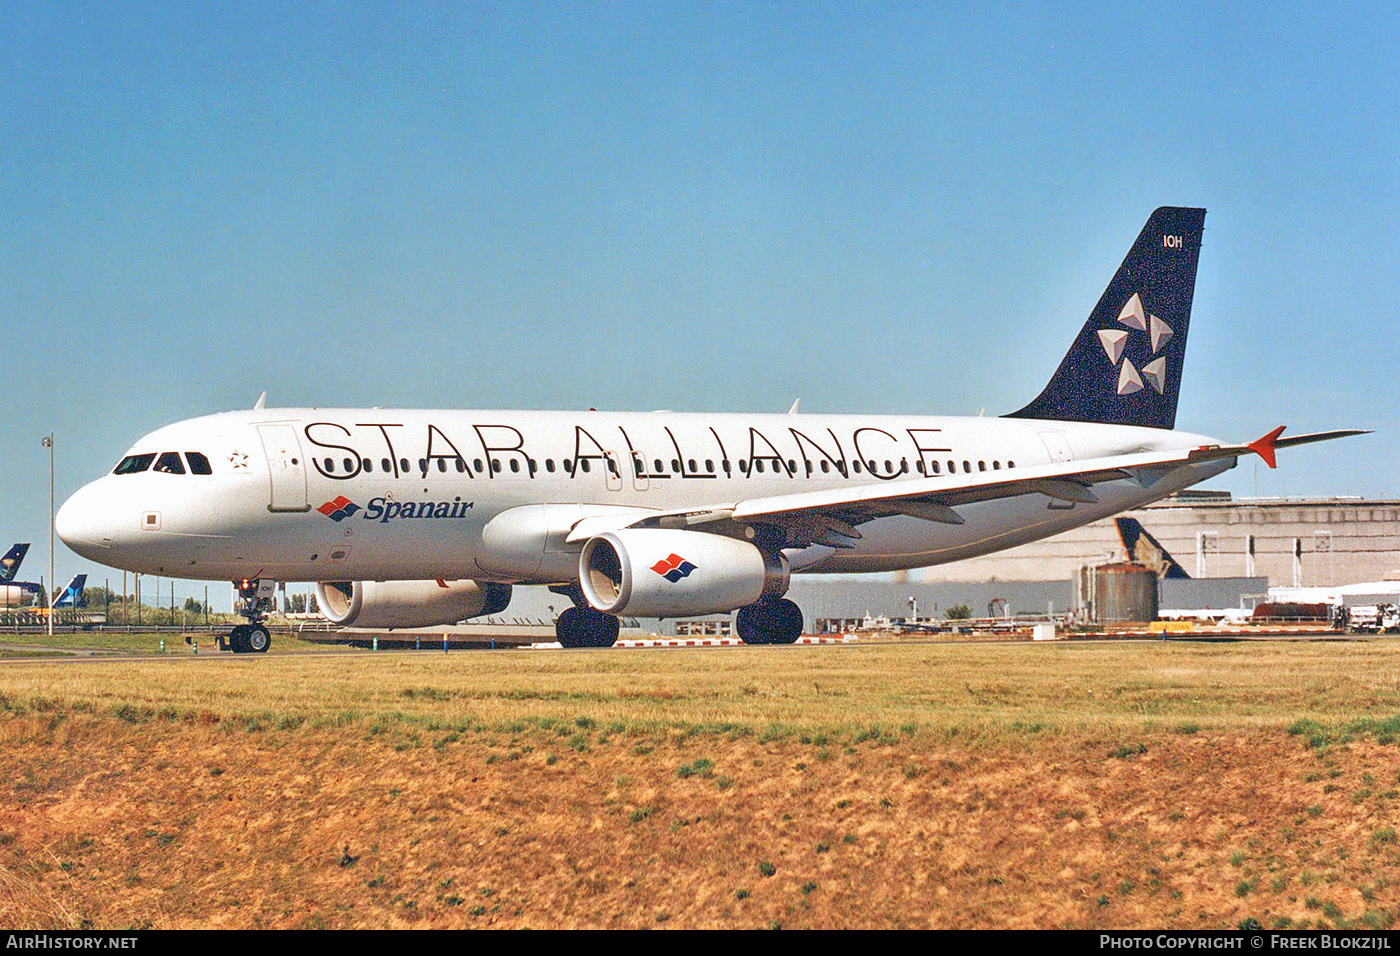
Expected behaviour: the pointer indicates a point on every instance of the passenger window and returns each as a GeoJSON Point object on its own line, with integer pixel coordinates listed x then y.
{"type": "Point", "coordinates": [384, 464]}
{"type": "Point", "coordinates": [549, 465]}
{"type": "Point", "coordinates": [169, 462]}
{"type": "Point", "coordinates": [199, 464]}
{"type": "Point", "coordinates": [133, 464]}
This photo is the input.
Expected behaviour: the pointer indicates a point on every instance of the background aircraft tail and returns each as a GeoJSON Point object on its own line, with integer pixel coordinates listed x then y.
{"type": "Point", "coordinates": [1125, 366]}
{"type": "Point", "coordinates": [9, 564]}
{"type": "Point", "coordinates": [1147, 550]}
{"type": "Point", "coordinates": [72, 595]}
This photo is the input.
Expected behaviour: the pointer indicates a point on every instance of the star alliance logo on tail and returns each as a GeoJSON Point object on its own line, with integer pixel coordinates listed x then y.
{"type": "Point", "coordinates": [673, 568]}
{"type": "Point", "coordinates": [1114, 342]}
{"type": "Point", "coordinates": [339, 509]}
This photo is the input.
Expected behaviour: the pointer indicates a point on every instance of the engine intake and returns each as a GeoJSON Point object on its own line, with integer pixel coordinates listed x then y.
{"type": "Point", "coordinates": [664, 573]}
{"type": "Point", "coordinates": [390, 604]}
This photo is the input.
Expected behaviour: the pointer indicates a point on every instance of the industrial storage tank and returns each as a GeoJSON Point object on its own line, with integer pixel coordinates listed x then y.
{"type": "Point", "coordinates": [1124, 592]}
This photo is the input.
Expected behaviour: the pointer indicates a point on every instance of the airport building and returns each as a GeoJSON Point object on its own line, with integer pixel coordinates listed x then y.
{"type": "Point", "coordinates": [1292, 542]}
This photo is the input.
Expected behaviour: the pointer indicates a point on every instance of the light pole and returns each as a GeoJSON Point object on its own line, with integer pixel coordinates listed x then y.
{"type": "Point", "coordinates": [48, 443]}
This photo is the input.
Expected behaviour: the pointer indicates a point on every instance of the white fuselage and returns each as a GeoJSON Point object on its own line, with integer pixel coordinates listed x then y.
{"type": "Point", "coordinates": [420, 486]}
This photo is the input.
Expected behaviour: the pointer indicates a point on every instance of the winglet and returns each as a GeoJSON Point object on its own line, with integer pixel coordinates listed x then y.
{"type": "Point", "coordinates": [1264, 447]}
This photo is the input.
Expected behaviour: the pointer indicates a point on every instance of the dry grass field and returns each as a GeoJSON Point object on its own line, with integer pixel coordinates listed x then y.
{"type": "Point", "coordinates": [1077, 785]}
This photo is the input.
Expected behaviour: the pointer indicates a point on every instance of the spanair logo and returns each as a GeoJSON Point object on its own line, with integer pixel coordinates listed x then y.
{"type": "Point", "coordinates": [1115, 341]}
{"type": "Point", "coordinates": [673, 568]}
{"type": "Point", "coordinates": [339, 508]}
{"type": "Point", "coordinates": [384, 510]}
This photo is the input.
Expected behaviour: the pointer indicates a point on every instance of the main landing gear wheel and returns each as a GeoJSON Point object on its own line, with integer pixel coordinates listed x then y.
{"type": "Point", "coordinates": [585, 627]}
{"type": "Point", "coordinates": [769, 622]}
{"type": "Point", "coordinates": [249, 638]}
{"type": "Point", "coordinates": [257, 640]}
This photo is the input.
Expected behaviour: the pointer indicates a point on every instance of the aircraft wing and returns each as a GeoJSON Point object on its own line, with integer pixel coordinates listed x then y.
{"type": "Point", "coordinates": [831, 517]}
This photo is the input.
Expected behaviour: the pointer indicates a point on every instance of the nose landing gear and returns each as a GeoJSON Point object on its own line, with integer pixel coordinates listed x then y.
{"type": "Point", "coordinates": [255, 595]}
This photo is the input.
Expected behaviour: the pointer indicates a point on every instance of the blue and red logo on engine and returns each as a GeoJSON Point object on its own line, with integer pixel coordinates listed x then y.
{"type": "Point", "coordinates": [673, 568]}
{"type": "Point", "coordinates": [339, 508]}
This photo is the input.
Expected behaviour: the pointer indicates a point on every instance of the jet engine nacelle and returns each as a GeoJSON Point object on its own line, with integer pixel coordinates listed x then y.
{"type": "Point", "coordinates": [650, 572]}
{"type": "Point", "coordinates": [383, 604]}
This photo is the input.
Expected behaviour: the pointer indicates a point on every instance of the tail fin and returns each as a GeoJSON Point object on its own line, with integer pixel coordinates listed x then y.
{"type": "Point", "coordinates": [72, 595]}
{"type": "Point", "coordinates": [1145, 549]}
{"type": "Point", "coordinates": [9, 564]}
{"type": "Point", "coordinates": [1125, 366]}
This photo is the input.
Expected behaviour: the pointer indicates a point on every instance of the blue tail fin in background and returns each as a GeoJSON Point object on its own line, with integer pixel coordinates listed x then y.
{"type": "Point", "coordinates": [1125, 366]}
{"type": "Point", "coordinates": [1144, 549]}
{"type": "Point", "coordinates": [72, 595]}
{"type": "Point", "coordinates": [9, 564]}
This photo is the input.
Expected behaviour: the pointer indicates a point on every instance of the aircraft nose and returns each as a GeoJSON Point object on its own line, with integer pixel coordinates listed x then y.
{"type": "Point", "coordinates": [84, 523]}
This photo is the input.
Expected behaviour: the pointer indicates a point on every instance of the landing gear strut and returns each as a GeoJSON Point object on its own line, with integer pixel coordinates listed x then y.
{"type": "Point", "coordinates": [581, 625]}
{"type": "Point", "coordinates": [252, 637]}
{"type": "Point", "coordinates": [770, 621]}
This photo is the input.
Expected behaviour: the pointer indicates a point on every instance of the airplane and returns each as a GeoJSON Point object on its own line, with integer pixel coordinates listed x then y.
{"type": "Point", "coordinates": [411, 518]}
{"type": "Point", "coordinates": [18, 593]}
{"type": "Point", "coordinates": [14, 593]}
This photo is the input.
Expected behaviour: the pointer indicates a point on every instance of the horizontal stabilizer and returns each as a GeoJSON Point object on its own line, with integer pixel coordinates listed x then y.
{"type": "Point", "coordinates": [1265, 447]}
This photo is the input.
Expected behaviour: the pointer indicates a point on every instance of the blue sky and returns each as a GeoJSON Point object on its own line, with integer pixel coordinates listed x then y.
{"type": "Point", "coordinates": [697, 206]}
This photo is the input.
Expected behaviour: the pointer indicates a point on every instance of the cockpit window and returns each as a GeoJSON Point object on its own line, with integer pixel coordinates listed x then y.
{"type": "Point", "coordinates": [132, 464]}
{"type": "Point", "coordinates": [170, 463]}
{"type": "Point", "coordinates": [199, 464]}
